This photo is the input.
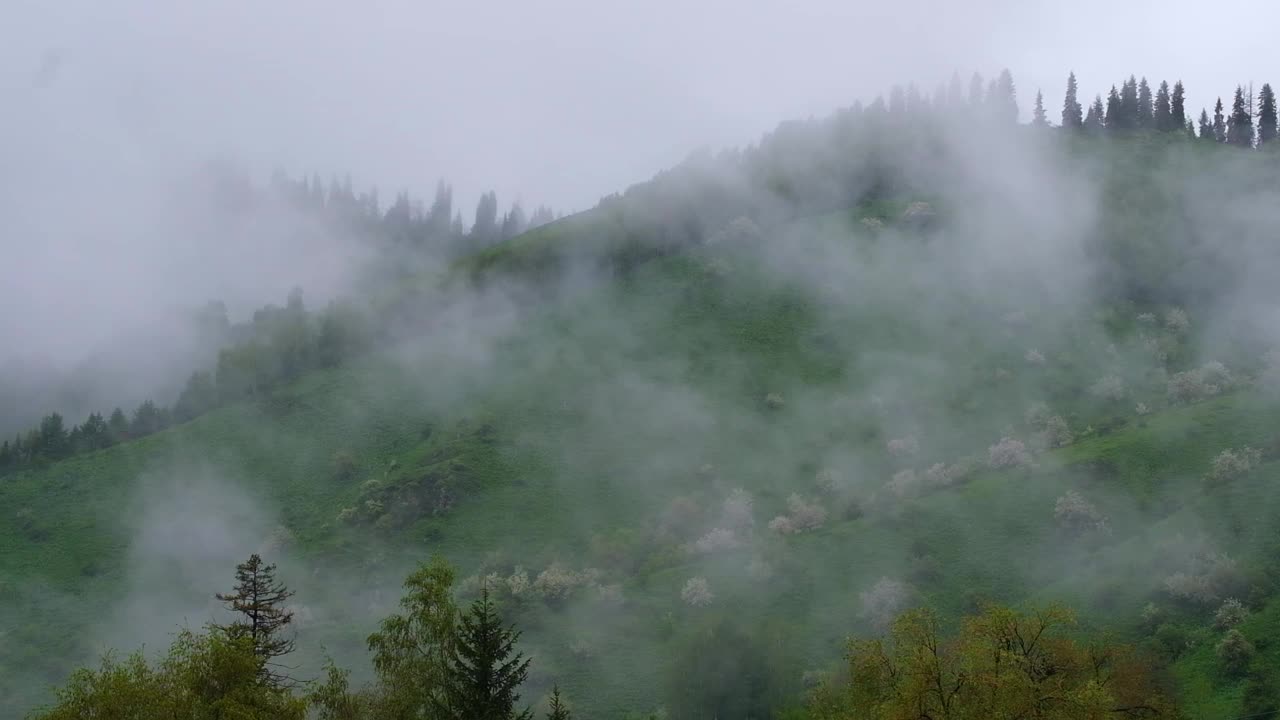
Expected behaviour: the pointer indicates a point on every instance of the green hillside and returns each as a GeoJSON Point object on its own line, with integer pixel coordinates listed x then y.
{"type": "Point", "coordinates": [794, 427]}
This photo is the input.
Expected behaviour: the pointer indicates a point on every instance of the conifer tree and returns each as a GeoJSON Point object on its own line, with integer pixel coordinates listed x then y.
{"type": "Point", "coordinates": [1114, 118]}
{"type": "Point", "coordinates": [976, 93]}
{"type": "Point", "coordinates": [1177, 106]}
{"type": "Point", "coordinates": [1038, 119]}
{"type": "Point", "coordinates": [1240, 125]}
{"type": "Point", "coordinates": [259, 599]}
{"type": "Point", "coordinates": [1145, 115]}
{"type": "Point", "coordinates": [1267, 125]}
{"type": "Point", "coordinates": [1071, 110]}
{"type": "Point", "coordinates": [1219, 123]}
{"type": "Point", "coordinates": [485, 670]}
{"type": "Point", "coordinates": [557, 711]}
{"type": "Point", "coordinates": [955, 92]}
{"type": "Point", "coordinates": [1095, 121]}
{"type": "Point", "coordinates": [1127, 118]}
{"type": "Point", "coordinates": [1162, 116]}
{"type": "Point", "coordinates": [1004, 103]}
{"type": "Point", "coordinates": [1206, 127]}
{"type": "Point", "coordinates": [1191, 129]}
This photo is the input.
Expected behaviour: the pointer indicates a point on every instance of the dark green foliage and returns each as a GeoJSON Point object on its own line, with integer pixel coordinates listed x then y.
{"type": "Point", "coordinates": [1071, 110]}
{"type": "Point", "coordinates": [557, 710]}
{"type": "Point", "coordinates": [1240, 124]}
{"type": "Point", "coordinates": [1095, 121]}
{"type": "Point", "coordinates": [1144, 117]}
{"type": "Point", "coordinates": [1267, 125]}
{"type": "Point", "coordinates": [1115, 119]}
{"type": "Point", "coordinates": [198, 397]}
{"type": "Point", "coordinates": [148, 418]}
{"type": "Point", "coordinates": [1178, 107]}
{"type": "Point", "coordinates": [412, 649]}
{"type": "Point", "coordinates": [1219, 123]}
{"type": "Point", "coordinates": [1129, 109]}
{"type": "Point", "coordinates": [484, 231]}
{"type": "Point", "coordinates": [723, 670]}
{"type": "Point", "coordinates": [259, 599]}
{"type": "Point", "coordinates": [1206, 127]}
{"type": "Point", "coordinates": [1038, 118]}
{"type": "Point", "coordinates": [1162, 117]}
{"type": "Point", "coordinates": [485, 671]}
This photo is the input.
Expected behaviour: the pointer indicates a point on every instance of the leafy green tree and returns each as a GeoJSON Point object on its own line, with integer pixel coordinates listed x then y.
{"type": "Point", "coordinates": [1162, 117]}
{"type": "Point", "coordinates": [1178, 106]}
{"type": "Point", "coordinates": [259, 601]}
{"type": "Point", "coordinates": [485, 670]}
{"type": "Point", "coordinates": [1267, 125]}
{"type": "Point", "coordinates": [202, 677]}
{"type": "Point", "coordinates": [1240, 125]}
{"type": "Point", "coordinates": [1219, 123]}
{"type": "Point", "coordinates": [412, 649]}
{"type": "Point", "coordinates": [558, 710]}
{"type": "Point", "coordinates": [1071, 110]}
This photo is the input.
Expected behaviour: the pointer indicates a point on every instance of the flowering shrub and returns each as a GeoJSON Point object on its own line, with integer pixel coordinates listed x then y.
{"type": "Point", "coordinates": [1147, 318]}
{"type": "Point", "coordinates": [1141, 409]}
{"type": "Point", "coordinates": [1077, 515]}
{"type": "Point", "coordinates": [1200, 383]}
{"type": "Point", "coordinates": [556, 583]}
{"type": "Point", "coordinates": [774, 401]}
{"type": "Point", "coordinates": [903, 447]}
{"type": "Point", "coordinates": [801, 516]}
{"type": "Point", "coordinates": [697, 592]}
{"type": "Point", "coordinates": [1110, 387]}
{"type": "Point", "coordinates": [1056, 434]}
{"type": "Point", "coordinates": [883, 602]}
{"type": "Point", "coordinates": [1177, 320]}
{"type": "Point", "coordinates": [1230, 614]}
{"type": "Point", "coordinates": [829, 482]}
{"type": "Point", "coordinates": [1008, 453]}
{"type": "Point", "coordinates": [1231, 464]}
{"type": "Point", "coordinates": [1208, 578]}
{"type": "Point", "coordinates": [736, 511]}
{"type": "Point", "coordinates": [715, 541]}
{"type": "Point", "coordinates": [1034, 357]}
{"type": "Point", "coordinates": [904, 483]}
{"type": "Point", "coordinates": [1236, 653]}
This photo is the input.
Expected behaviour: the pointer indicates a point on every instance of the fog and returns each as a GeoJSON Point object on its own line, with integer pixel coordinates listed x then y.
{"type": "Point", "coordinates": [912, 356]}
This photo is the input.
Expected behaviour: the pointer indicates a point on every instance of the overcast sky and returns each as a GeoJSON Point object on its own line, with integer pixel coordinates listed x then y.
{"type": "Point", "coordinates": [556, 102]}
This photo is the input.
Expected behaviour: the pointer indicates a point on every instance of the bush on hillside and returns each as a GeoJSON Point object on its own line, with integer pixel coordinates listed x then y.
{"type": "Point", "coordinates": [1009, 452]}
{"type": "Point", "coordinates": [1231, 464]}
{"type": "Point", "coordinates": [1230, 614]}
{"type": "Point", "coordinates": [697, 592]}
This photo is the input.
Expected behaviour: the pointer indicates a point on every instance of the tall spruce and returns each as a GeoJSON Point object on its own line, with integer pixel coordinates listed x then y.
{"type": "Point", "coordinates": [1004, 105]}
{"type": "Point", "coordinates": [1095, 121]}
{"type": "Point", "coordinates": [976, 92]}
{"type": "Point", "coordinates": [557, 709]}
{"type": "Point", "coordinates": [1145, 115]}
{"type": "Point", "coordinates": [1240, 124]}
{"type": "Point", "coordinates": [1206, 126]}
{"type": "Point", "coordinates": [1191, 129]}
{"type": "Point", "coordinates": [1037, 116]}
{"type": "Point", "coordinates": [259, 599]}
{"type": "Point", "coordinates": [1072, 113]}
{"type": "Point", "coordinates": [1177, 106]}
{"type": "Point", "coordinates": [485, 670]}
{"type": "Point", "coordinates": [1267, 125]}
{"type": "Point", "coordinates": [1127, 119]}
{"type": "Point", "coordinates": [1114, 118]}
{"type": "Point", "coordinates": [1219, 123]}
{"type": "Point", "coordinates": [1162, 116]}
{"type": "Point", "coordinates": [955, 92]}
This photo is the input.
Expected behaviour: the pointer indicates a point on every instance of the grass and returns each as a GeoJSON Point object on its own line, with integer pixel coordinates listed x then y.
{"type": "Point", "coordinates": [576, 434]}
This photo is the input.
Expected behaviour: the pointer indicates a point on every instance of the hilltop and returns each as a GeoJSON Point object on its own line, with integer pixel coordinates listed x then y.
{"type": "Point", "coordinates": [1012, 365]}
